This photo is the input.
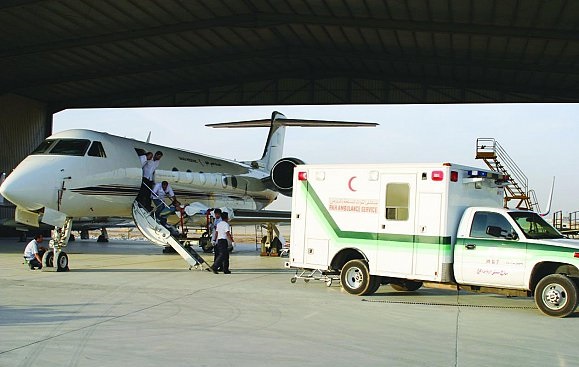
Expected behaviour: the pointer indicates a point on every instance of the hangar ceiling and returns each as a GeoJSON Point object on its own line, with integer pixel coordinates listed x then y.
{"type": "Point", "coordinates": [137, 53]}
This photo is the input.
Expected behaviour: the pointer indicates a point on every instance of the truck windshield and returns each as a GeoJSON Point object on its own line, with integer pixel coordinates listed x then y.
{"type": "Point", "coordinates": [534, 226]}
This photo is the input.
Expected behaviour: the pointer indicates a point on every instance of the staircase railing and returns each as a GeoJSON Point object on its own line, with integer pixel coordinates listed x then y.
{"type": "Point", "coordinates": [497, 159]}
{"type": "Point", "coordinates": [558, 220]}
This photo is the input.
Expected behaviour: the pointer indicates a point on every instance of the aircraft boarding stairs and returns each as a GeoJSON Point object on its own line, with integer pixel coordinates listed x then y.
{"type": "Point", "coordinates": [159, 235]}
{"type": "Point", "coordinates": [497, 159]}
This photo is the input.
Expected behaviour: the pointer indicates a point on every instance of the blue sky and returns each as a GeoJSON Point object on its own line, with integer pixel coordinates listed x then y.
{"type": "Point", "coordinates": [540, 138]}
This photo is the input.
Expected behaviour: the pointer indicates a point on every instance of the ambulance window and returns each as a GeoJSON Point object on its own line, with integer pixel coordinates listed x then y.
{"type": "Point", "coordinates": [97, 150]}
{"type": "Point", "coordinates": [43, 147]}
{"type": "Point", "coordinates": [482, 220]}
{"type": "Point", "coordinates": [397, 201]}
{"type": "Point", "coordinates": [75, 147]}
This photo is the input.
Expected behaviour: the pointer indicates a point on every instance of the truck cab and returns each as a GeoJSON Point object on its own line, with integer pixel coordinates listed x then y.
{"type": "Point", "coordinates": [517, 250]}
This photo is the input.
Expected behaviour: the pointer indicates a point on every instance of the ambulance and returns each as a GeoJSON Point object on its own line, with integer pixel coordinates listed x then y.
{"type": "Point", "coordinates": [442, 223]}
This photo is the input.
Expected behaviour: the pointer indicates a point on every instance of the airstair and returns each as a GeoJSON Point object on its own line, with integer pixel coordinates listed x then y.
{"type": "Point", "coordinates": [159, 235]}
{"type": "Point", "coordinates": [497, 159]}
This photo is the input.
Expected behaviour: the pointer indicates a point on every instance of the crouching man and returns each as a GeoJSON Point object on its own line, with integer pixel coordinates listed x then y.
{"type": "Point", "coordinates": [31, 254]}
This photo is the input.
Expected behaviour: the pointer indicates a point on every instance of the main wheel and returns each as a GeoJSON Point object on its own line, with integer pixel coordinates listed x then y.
{"type": "Point", "coordinates": [556, 295]}
{"type": "Point", "coordinates": [48, 259]}
{"type": "Point", "coordinates": [355, 278]}
{"type": "Point", "coordinates": [406, 285]}
{"type": "Point", "coordinates": [62, 262]}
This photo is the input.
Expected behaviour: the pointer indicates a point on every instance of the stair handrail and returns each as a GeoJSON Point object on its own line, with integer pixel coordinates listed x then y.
{"type": "Point", "coordinates": [489, 148]}
{"type": "Point", "coordinates": [558, 219]}
{"type": "Point", "coordinates": [534, 202]}
{"type": "Point", "coordinates": [512, 169]}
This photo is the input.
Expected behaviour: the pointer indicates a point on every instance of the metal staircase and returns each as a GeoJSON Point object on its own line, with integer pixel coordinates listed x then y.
{"type": "Point", "coordinates": [497, 159]}
{"type": "Point", "coordinates": [159, 235]}
{"type": "Point", "coordinates": [571, 227]}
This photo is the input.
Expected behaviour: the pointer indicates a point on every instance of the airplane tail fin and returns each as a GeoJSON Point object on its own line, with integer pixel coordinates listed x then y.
{"type": "Point", "coordinates": [275, 139]}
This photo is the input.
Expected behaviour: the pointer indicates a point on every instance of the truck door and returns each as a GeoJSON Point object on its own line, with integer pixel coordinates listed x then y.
{"type": "Point", "coordinates": [489, 260]}
{"type": "Point", "coordinates": [395, 245]}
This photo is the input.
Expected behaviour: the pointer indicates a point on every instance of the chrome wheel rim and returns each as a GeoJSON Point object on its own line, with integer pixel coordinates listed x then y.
{"type": "Point", "coordinates": [354, 278]}
{"type": "Point", "coordinates": [554, 296]}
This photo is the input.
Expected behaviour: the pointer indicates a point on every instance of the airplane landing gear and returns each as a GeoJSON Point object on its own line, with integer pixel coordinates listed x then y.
{"type": "Point", "coordinates": [59, 240]}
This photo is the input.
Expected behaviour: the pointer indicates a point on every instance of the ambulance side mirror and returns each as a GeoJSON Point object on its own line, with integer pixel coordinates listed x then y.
{"type": "Point", "coordinates": [494, 231]}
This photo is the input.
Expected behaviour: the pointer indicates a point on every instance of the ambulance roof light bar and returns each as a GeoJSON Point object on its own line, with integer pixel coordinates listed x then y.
{"type": "Point", "coordinates": [485, 174]}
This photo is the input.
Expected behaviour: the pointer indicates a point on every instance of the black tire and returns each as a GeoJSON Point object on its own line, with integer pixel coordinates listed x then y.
{"type": "Point", "coordinates": [84, 234]}
{"type": "Point", "coordinates": [556, 295]}
{"type": "Point", "coordinates": [376, 283]}
{"type": "Point", "coordinates": [62, 262]}
{"type": "Point", "coordinates": [207, 247]}
{"type": "Point", "coordinates": [406, 285]}
{"type": "Point", "coordinates": [48, 259]}
{"type": "Point", "coordinates": [355, 278]}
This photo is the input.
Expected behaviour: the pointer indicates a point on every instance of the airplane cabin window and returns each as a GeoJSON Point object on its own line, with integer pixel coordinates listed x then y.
{"type": "Point", "coordinates": [76, 147]}
{"type": "Point", "coordinates": [97, 150]}
{"type": "Point", "coordinates": [43, 147]}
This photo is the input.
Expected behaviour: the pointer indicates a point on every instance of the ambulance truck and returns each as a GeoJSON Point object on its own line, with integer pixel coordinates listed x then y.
{"type": "Point", "coordinates": [406, 224]}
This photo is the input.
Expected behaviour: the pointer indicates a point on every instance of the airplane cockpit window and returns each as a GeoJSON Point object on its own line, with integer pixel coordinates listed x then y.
{"type": "Point", "coordinates": [97, 150]}
{"type": "Point", "coordinates": [75, 147]}
{"type": "Point", "coordinates": [43, 147]}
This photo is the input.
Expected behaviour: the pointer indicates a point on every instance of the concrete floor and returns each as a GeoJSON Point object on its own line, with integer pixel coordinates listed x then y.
{"type": "Point", "coordinates": [125, 303]}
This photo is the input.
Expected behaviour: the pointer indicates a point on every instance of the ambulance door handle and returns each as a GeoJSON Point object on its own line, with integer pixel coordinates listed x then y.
{"type": "Point", "coordinates": [470, 246]}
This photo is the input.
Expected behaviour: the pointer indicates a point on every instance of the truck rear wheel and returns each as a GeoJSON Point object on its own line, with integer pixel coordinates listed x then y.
{"type": "Point", "coordinates": [355, 278]}
{"type": "Point", "coordinates": [556, 295]}
{"type": "Point", "coordinates": [406, 286]}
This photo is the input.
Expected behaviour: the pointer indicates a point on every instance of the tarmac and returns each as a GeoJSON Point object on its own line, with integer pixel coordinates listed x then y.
{"type": "Point", "coordinates": [125, 303]}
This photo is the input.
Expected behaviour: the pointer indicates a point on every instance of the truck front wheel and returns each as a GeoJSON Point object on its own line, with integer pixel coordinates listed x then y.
{"type": "Point", "coordinates": [356, 279]}
{"type": "Point", "coordinates": [556, 295]}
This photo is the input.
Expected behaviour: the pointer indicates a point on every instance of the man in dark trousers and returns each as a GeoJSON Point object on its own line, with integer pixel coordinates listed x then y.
{"type": "Point", "coordinates": [222, 247]}
{"type": "Point", "coordinates": [32, 253]}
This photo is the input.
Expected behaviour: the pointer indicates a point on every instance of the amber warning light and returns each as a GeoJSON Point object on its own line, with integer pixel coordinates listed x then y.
{"type": "Point", "coordinates": [302, 176]}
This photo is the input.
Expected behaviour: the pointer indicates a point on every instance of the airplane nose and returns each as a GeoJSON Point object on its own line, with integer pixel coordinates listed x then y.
{"type": "Point", "coordinates": [24, 190]}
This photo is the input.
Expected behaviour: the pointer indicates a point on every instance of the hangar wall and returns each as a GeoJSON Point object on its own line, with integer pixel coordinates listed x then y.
{"type": "Point", "coordinates": [24, 123]}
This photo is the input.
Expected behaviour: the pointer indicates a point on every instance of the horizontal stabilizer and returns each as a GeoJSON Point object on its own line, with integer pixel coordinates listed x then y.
{"type": "Point", "coordinates": [291, 122]}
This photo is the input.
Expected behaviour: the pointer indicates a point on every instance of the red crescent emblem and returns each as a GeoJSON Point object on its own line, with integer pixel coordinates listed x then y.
{"type": "Point", "coordinates": [350, 183]}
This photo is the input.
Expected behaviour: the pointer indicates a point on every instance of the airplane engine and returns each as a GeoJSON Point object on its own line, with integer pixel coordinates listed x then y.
{"type": "Point", "coordinates": [282, 173]}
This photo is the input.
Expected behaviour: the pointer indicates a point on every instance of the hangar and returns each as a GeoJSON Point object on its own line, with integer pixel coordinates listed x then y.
{"type": "Point", "coordinates": [60, 54]}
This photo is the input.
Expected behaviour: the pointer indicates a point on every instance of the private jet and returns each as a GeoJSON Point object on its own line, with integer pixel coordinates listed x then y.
{"type": "Point", "coordinates": [89, 174]}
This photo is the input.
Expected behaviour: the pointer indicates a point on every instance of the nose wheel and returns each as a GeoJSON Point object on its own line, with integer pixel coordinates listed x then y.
{"type": "Point", "coordinates": [55, 258]}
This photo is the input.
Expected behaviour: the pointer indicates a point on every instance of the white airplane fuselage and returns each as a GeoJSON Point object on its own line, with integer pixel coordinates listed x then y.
{"type": "Point", "coordinates": [79, 181]}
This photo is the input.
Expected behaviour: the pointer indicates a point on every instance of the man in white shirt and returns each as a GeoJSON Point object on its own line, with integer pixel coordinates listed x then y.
{"type": "Point", "coordinates": [222, 248]}
{"type": "Point", "coordinates": [217, 213]}
{"type": "Point", "coordinates": [31, 254]}
{"type": "Point", "coordinates": [160, 192]}
{"type": "Point", "coordinates": [149, 167]}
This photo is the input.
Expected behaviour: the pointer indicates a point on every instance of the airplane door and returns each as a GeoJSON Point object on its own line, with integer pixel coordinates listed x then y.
{"type": "Point", "coordinates": [487, 260]}
{"type": "Point", "coordinates": [396, 223]}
